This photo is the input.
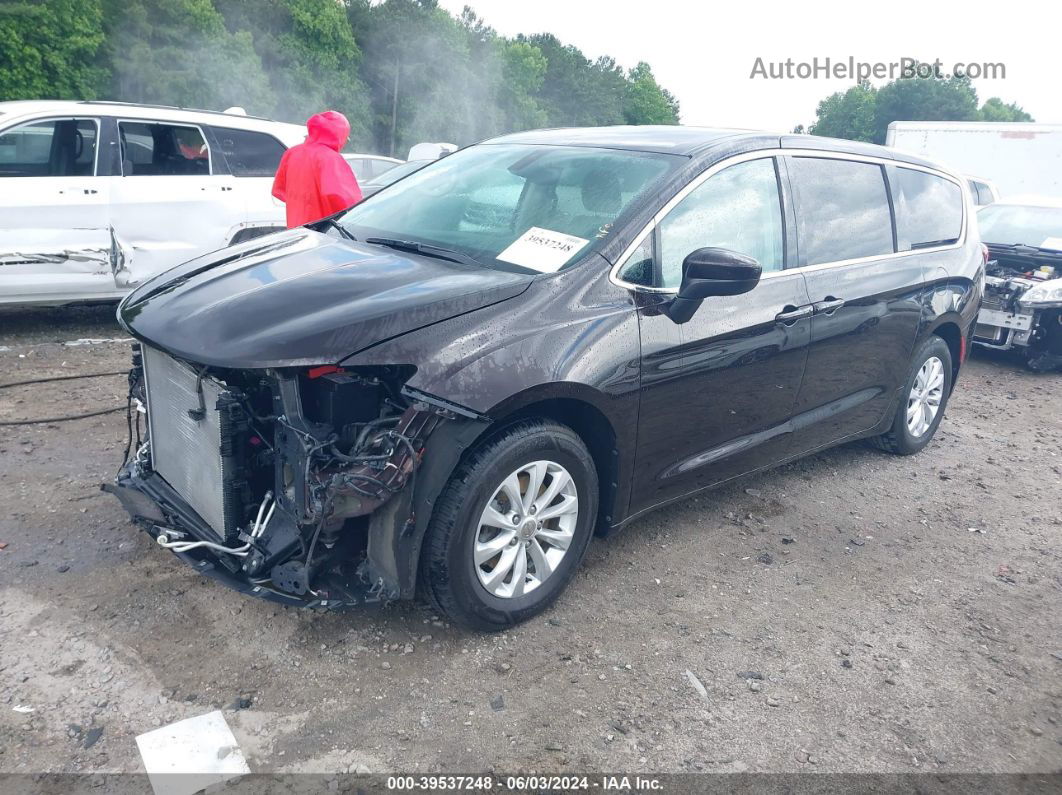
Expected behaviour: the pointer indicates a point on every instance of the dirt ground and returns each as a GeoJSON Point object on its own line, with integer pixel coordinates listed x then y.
{"type": "Point", "coordinates": [854, 611]}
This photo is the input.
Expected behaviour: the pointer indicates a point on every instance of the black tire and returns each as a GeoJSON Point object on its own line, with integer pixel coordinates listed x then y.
{"type": "Point", "coordinates": [448, 577]}
{"type": "Point", "coordinates": [899, 439]}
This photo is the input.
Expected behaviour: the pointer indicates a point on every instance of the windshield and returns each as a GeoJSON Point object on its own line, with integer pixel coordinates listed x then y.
{"type": "Point", "coordinates": [1016, 223]}
{"type": "Point", "coordinates": [536, 207]}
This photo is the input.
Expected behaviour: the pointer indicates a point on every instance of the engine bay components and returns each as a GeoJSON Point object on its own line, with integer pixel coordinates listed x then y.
{"type": "Point", "coordinates": [1022, 305]}
{"type": "Point", "coordinates": [272, 475]}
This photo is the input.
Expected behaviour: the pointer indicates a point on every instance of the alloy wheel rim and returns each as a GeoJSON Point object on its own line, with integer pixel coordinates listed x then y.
{"type": "Point", "coordinates": [525, 529]}
{"type": "Point", "coordinates": [923, 403]}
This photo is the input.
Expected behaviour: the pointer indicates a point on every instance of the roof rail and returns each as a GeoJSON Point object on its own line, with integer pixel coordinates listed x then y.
{"type": "Point", "coordinates": [230, 112]}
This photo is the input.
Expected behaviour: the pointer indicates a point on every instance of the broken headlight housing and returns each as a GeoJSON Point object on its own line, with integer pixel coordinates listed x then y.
{"type": "Point", "coordinates": [1047, 294]}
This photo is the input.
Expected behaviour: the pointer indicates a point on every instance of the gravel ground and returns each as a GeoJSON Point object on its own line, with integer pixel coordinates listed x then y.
{"type": "Point", "coordinates": [854, 611]}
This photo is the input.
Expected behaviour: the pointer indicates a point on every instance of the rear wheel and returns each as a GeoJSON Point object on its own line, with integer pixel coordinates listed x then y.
{"type": "Point", "coordinates": [511, 527]}
{"type": "Point", "coordinates": [925, 395]}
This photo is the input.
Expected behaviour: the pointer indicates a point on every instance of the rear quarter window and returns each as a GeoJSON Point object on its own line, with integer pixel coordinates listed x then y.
{"type": "Point", "coordinates": [842, 209]}
{"type": "Point", "coordinates": [249, 154]}
{"type": "Point", "coordinates": [928, 209]}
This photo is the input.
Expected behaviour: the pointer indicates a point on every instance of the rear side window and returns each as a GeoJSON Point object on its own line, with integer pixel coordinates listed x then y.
{"type": "Point", "coordinates": [53, 148]}
{"type": "Point", "coordinates": [928, 210]}
{"type": "Point", "coordinates": [842, 209]}
{"type": "Point", "coordinates": [249, 154]}
{"type": "Point", "coordinates": [156, 149]}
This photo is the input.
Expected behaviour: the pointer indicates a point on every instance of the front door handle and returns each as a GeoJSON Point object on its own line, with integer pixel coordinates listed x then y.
{"type": "Point", "coordinates": [791, 314]}
{"type": "Point", "coordinates": [828, 306]}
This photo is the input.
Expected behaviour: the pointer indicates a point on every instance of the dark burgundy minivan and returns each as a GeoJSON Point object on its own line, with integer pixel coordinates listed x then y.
{"type": "Point", "coordinates": [446, 390]}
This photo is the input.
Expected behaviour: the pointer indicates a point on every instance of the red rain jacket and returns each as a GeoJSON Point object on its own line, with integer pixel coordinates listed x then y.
{"type": "Point", "coordinates": [313, 179]}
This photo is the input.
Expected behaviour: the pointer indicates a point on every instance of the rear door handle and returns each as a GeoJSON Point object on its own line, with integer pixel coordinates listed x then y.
{"type": "Point", "coordinates": [791, 314]}
{"type": "Point", "coordinates": [828, 306]}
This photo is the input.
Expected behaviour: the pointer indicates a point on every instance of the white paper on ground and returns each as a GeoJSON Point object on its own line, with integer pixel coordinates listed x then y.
{"type": "Point", "coordinates": [1052, 242]}
{"type": "Point", "coordinates": [542, 249]}
{"type": "Point", "coordinates": [190, 755]}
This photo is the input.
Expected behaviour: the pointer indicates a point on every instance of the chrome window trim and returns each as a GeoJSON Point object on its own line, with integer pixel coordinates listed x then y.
{"type": "Point", "coordinates": [759, 154]}
{"type": "Point", "coordinates": [118, 123]}
{"type": "Point", "coordinates": [94, 119]}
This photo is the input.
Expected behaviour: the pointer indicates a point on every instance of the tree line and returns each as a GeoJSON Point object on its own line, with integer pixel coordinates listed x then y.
{"type": "Point", "coordinates": [863, 112]}
{"type": "Point", "coordinates": [402, 71]}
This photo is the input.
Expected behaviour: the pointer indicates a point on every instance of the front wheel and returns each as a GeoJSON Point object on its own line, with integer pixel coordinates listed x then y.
{"type": "Point", "coordinates": [925, 395]}
{"type": "Point", "coordinates": [510, 527]}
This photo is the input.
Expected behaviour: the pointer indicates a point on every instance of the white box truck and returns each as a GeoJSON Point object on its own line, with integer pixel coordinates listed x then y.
{"type": "Point", "coordinates": [1017, 157]}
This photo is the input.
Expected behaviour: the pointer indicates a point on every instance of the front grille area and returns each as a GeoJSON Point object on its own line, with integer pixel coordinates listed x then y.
{"type": "Point", "coordinates": [192, 421]}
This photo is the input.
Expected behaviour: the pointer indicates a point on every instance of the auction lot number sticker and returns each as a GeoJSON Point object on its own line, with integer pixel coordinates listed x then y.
{"type": "Point", "coordinates": [542, 249]}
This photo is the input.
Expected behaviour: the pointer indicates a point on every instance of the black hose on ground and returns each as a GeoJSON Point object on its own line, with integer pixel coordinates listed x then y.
{"type": "Point", "coordinates": [69, 417]}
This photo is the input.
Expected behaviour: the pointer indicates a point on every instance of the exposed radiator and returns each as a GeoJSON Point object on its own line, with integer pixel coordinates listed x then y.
{"type": "Point", "coordinates": [192, 439]}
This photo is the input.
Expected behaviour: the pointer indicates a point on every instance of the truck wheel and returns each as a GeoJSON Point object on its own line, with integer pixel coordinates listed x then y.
{"type": "Point", "coordinates": [510, 527]}
{"type": "Point", "coordinates": [925, 396]}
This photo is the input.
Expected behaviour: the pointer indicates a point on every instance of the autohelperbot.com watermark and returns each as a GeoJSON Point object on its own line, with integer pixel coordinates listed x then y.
{"type": "Point", "coordinates": [849, 68]}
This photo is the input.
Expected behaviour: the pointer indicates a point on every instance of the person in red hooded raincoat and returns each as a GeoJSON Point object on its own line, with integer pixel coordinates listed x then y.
{"type": "Point", "coordinates": [313, 180]}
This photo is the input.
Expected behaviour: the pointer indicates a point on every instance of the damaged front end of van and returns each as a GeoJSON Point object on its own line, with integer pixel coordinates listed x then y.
{"type": "Point", "coordinates": [260, 452]}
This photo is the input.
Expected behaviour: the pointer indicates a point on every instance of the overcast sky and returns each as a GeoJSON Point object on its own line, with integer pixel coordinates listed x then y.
{"type": "Point", "coordinates": [703, 52]}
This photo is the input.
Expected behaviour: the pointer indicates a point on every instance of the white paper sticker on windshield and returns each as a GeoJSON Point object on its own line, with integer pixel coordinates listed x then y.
{"type": "Point", "coordinates": [542, 249]}
{"type": "Point", "coordinates": [1052, 242]}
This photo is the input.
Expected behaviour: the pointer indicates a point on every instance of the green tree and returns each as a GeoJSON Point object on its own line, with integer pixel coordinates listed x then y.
{"type": "Point", "coordinates": [48, 49]}
{"type": "Point", "coordinates": [178, 52]}
{"type": "Point", "coordinates": [995, 109]}
{"type": "Point", "coordinates": [308, 54]}
{"type": "Point", "coordinates": [924, 99]}
{"type": "Point", "coordinates": [847, 114]}
{"type": "Point", "coordinates": [523, 73]}
{"type": "Point", "coordinates": [863, 112]}
{"type": "Point", "coordinates": [646, 102]}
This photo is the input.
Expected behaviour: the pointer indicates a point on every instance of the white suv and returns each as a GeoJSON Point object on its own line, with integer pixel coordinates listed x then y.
{"type": "Point", "coordinates": [96, 197]}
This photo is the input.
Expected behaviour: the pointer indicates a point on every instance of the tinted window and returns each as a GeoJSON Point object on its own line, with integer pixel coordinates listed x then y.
{"type": "Point", "coordinates": [842, 209]}
{"type": "Point", "coordinates": [738, 208]}
{"type": "Point", "coordinates": [162, 150]}
{"type": "Point", "coordinates": [53, 148]}
{"type": "Point", "coordinates": [928, 209]}
{"type": "Point", "coordinates": [249, 154]}
{"type": "Point", "coordinates": [984, 194]}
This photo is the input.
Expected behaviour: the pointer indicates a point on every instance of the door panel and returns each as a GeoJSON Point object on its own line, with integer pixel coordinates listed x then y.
{"type": "Point", "coordinates": [55, 243]}
{"type": "Point", "coordinates": [866, 311]}
{"type": "Point", "coordinates": [718, 390]}
{"type": "Point", "coordinates": [717, 401]}
{"type": "Point", "coordinates": [167, 207]}
{"type": "Point", "coordinates": [860, 352]}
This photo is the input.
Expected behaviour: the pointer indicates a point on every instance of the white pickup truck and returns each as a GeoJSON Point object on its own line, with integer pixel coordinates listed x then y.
{"type": "Point", "coordinates": [95, 197]}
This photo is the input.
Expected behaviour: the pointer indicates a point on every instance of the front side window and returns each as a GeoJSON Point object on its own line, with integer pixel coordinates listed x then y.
{"type": "Point", "coordinates": [928, 209]}
{"type": "Point", "coordinates": [52, 148]}
{"type": "Point", "coordinates": [537, 208]}
{"type": "Point", "coordinates": [738, 208]}
{"type": "Point", "coordinates": [157, 150]}
{"type": "Point", "coordinates": [249, 154]}
{"type": "Point", "coordinates": [842, 209]}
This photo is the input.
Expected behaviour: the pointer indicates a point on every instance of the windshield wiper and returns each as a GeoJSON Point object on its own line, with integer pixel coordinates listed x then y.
{"type": "Point", "coordinates": [332, 222]}
{"type": "Point", "coordinates": [426, 249]}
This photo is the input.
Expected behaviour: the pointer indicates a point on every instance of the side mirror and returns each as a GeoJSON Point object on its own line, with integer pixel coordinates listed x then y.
{"type": "Point", "coordinates": [712, 271]}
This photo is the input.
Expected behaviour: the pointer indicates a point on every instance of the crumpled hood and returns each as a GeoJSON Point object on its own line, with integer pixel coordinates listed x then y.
{"type": "Point", "coordinates": [329, 128]}
{"type": "Point", "coordinates": [303, 298]}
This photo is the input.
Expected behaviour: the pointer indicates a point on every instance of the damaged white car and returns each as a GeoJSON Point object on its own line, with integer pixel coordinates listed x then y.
{"type": "Point", "coordinates": [1022, 307]}
{"type": "Point", "coordinates": [97, 197]}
